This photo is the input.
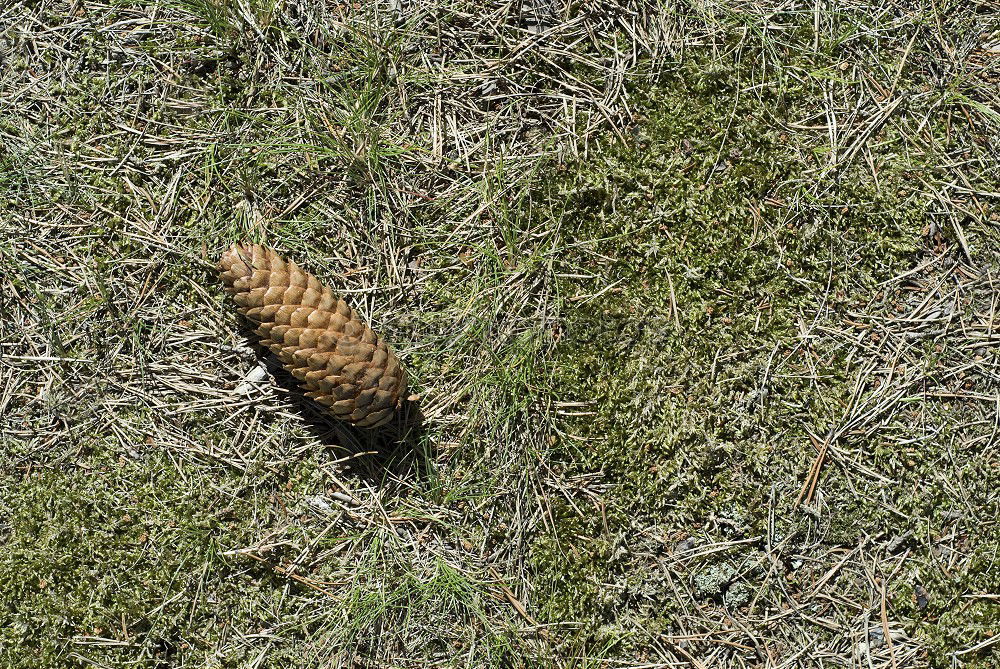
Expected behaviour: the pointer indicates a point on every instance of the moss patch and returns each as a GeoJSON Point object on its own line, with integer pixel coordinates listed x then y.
{"type": "Point", "coordinates": [694, 359]}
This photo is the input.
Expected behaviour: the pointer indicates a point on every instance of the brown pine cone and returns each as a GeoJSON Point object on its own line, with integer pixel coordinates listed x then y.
{"type": "Point", "coordinates": [320, 340]}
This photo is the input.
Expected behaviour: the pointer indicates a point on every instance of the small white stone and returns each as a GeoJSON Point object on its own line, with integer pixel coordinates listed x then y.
{"type": "Point", "coordinates": [253, 377]}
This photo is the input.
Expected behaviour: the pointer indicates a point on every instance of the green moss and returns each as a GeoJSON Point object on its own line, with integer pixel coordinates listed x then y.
{"type": "Point", "coordinates": [106, 551]}
{"type": "Point", "coordinates": [706, 292]}
{"type": "Point", "coordinates": [691, 284]}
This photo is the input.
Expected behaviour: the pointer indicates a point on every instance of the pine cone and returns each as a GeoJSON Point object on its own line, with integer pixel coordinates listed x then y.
{"type": "Point", "coordinates": [320, 340]}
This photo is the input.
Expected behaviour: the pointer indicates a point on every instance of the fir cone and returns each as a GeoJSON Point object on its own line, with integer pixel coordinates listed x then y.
{"type": "Point", "coordinates": [320, 340]}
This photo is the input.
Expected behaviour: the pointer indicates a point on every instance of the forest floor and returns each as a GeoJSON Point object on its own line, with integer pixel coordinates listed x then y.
{"type": "Point", "coordinates": [700, 299]}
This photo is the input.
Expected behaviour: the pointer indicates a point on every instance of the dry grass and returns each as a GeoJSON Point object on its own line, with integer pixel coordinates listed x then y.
{"type": "Point", "coordinates": [172, 505]}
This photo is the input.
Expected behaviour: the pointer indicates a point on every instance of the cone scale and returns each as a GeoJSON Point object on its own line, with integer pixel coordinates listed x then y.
{"type": "Point", "coordinates": [318, 338]}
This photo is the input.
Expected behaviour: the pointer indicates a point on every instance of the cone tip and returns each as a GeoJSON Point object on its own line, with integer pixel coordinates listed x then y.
{"type": "Point", "coordinates": [241, 252]}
